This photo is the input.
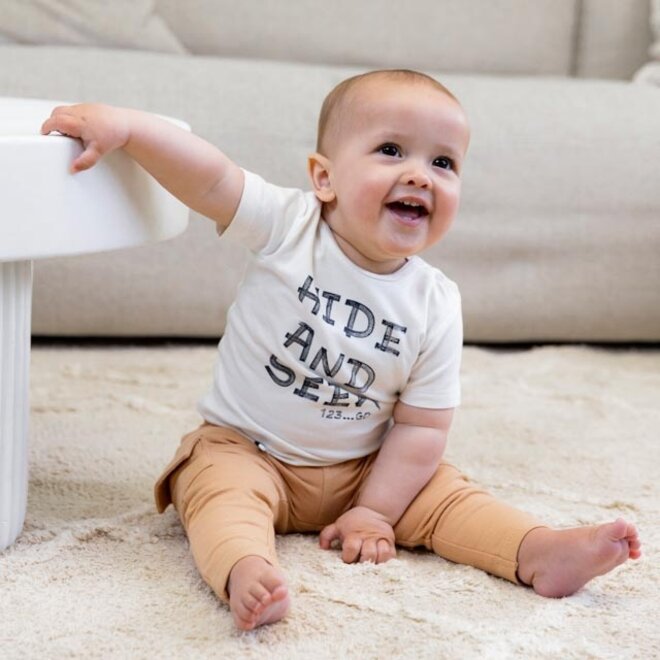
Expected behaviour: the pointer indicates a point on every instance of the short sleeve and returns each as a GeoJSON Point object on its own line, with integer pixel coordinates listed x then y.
{"type": "Point", "coordinates": [435, 378]}
{"type": "Point", "coordinates": [266, 214]}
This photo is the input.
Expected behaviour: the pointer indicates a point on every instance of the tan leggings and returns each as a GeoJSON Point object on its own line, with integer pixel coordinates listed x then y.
{"type": "Point", "coordinates": [232, 498]}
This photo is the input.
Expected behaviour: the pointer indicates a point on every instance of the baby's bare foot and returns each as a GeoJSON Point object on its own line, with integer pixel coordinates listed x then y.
{"type": "Point", "coordinates": [557, 562]}
{"type": "Point", "coordinates": [257, 593]}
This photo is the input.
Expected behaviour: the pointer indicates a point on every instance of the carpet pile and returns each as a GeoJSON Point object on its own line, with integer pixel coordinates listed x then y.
{"type": "Point", "coordinates": [570, 434]}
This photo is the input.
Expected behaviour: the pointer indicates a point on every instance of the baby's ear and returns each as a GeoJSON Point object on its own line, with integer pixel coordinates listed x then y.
{"type": "Point", "coordinates": [319, 167]}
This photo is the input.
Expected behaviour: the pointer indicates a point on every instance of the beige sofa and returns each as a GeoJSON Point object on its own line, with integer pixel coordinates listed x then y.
{"type": "Point", "coordinates": [558, 237]}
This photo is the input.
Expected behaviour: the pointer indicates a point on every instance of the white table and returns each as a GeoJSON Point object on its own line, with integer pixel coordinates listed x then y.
{"type": "Point", "coordinates": [45, 212]}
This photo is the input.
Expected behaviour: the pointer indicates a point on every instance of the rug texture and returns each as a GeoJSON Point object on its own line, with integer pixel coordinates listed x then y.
{"type": "Point", "coordinates": [570, 434]}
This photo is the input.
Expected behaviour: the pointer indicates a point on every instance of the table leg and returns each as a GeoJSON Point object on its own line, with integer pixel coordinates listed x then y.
{"type": "Point", "coordinates": [15, 318]}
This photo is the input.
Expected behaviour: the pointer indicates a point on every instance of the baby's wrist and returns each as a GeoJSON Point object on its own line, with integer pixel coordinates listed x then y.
{"type": "Point", "coordinates": [373, 509]}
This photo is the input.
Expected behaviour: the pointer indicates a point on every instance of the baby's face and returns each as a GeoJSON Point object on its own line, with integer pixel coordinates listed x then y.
{"type": "Point", "coordinates": [393, 172]}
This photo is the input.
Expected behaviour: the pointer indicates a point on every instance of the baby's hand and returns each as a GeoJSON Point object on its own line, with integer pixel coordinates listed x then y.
{"type": "Point", "coordinates": [364, 534]}
{"type": "Point", "coordinates": [102, 129]}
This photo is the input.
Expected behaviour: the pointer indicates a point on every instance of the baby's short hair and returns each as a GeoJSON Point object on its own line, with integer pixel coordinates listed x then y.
{"type": "Point", "coordinates": [335, 101]}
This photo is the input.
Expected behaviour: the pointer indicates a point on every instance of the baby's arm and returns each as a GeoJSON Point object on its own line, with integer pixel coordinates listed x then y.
{"type": "Point", "coordinates": [407, 460]}
{"type": "Point", "coordinates": [193, 170]}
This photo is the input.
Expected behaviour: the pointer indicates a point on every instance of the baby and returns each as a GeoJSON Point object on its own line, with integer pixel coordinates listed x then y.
{"type": "Point", "coordinates": [338, 374]}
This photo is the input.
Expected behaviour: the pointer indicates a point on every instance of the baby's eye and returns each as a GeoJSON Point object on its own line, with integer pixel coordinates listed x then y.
{"type": "Point", "coordinates": [444, 163]}
{"type": "Point", "coordinates": [389, 150]}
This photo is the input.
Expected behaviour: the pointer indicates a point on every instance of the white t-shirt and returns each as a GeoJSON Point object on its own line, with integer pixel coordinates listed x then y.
{"type": "Point", "coordinates": [317, 351]}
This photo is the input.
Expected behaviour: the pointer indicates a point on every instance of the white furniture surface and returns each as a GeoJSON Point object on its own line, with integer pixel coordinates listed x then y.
{"type": "Point", "coordinates": [45, 211]}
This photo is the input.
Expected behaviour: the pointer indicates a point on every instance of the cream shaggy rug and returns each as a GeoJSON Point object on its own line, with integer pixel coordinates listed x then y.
{"type": "Point", "coordinates": [568, 433]}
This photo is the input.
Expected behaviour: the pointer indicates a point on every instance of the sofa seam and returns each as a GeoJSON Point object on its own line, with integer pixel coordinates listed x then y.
{"type": "Point", "coordinates": [576, 38]}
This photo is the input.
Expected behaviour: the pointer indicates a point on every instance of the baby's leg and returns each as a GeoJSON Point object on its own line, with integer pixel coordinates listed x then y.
{"type": "Point", "coordinates": [467, 525]}
{"type": "Point", "coordinates": [557, 562]}
{"type": "Point", "coordinates": [228, 498]}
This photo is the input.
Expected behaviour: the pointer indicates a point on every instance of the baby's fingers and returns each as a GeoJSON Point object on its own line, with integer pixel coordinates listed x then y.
{"type": "Point", "coordinates": [377, 551]}
{"type": "Point", "coordinates": [350, 548]}
{"type": "Point", "coordinates": [386, 551]}
{"type": "Point", "coordinates": [62, 123]}
{"type": "Point", "coordinates": [87, 158]}
{"type": "Point", "coordinates": [328, 535]}
{"type": "Point", "coordinates": [369, 550]}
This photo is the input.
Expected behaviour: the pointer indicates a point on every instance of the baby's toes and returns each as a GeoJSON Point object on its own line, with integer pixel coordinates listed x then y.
{"type": "Point", "coordinates": [280, 593]}
{"type": "Point", "coordinates": [252, 604]}
{"type": "Point", "coordinates": [634, 549]}
{"type": "Point", "coordinates": [260, 595]}
{"type": "Point", "coordinates": [245, 619]}
{"type": "Point", "coordinates": [274, 587]}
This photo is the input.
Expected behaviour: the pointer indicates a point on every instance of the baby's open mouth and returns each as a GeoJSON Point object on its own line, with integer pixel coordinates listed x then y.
{"type": "Point", "coordinates": [410, 210]}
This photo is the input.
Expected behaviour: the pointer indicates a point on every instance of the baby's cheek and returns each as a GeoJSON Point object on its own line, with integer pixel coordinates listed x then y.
{"type": "Point", "coordinates": [445, 214]}
{"type": "Point", "coordinates": [451, 198]}
{"type": "Point", "coordinates": [364, 202]}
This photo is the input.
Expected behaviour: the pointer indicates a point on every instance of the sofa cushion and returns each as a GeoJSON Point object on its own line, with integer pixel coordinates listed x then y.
{"type": "Point", "coordinates": [614, 38]}
{"type": "Point", "coordinates": [649, 74]}
{"type": "Point", "coordinates": [655, 27]}
{"type": "Point", "coordinates": [507, 36]}
{"type": "Point", "coordinates": [557, 237]}
{"type": "Point", "coordinates": [116, 24]}
{"type": "Point", "coordinates": [559, 232]}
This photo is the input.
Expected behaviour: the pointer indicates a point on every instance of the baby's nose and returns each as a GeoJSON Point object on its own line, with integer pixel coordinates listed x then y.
{"type": "Point", "coordinates": [416, 177]}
